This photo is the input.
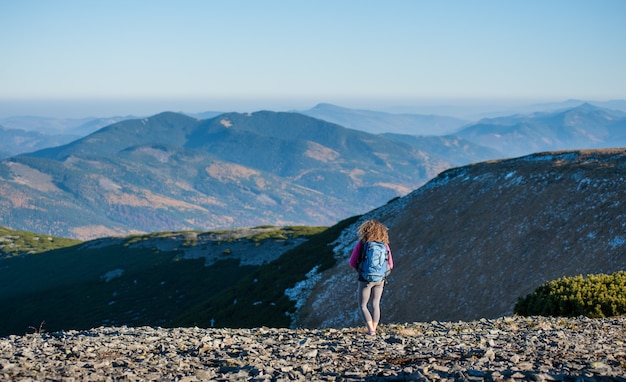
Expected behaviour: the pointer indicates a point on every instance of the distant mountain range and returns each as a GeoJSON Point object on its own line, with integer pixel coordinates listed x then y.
{"type": "Point", "coordinates": [64, 126]}
{"type": "Point", "coordinates": [474, 111]}
{"type": "Point", "coordinates": [377, 122]}
{"type": "Point", "coordinates": [56, 131]}
{"type": "Point", "coordinates": [174, 172]}
{"type": "Point", "coordinates": [581, 127]}
{"type": "Point", "coordinates": [17, 141]}
{"type": "Point", "coordinates": [26, 134]}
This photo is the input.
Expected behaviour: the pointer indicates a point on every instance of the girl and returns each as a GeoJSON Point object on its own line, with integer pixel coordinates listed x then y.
{"type": "Point", "coordinates": [370, 292]}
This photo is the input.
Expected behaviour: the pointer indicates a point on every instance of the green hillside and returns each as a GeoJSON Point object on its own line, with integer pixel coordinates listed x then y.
{"type": "Point", "coordinates": [15, 243]}
{"type": "Point", "coordinates": [134, 281]}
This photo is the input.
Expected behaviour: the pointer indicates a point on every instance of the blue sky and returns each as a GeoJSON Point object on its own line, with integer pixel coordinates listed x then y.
{"type": "Point", "coordinates": [107, 57]}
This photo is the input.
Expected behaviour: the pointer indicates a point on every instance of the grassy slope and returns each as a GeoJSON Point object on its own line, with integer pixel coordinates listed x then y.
{"type": "Point", "coordinates": [65, 287]}
{"type": "Point", "coordinates": [15, 243]}
{"type": "Point", "coordinates": [258, 298]}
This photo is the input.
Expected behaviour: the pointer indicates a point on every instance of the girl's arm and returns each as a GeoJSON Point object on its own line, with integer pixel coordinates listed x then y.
{"type": "Point", "coordinates": [354, 258]}
{"type": "Point", "coordinates": [390, 257]}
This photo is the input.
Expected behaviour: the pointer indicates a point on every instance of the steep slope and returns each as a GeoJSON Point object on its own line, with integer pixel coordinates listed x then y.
{"type": "Point", "coordinates": [173, 172]}
{"type": "Point", "coordinates": [581, 127]}
{"type": "Point", "coordinates": [471, 241]}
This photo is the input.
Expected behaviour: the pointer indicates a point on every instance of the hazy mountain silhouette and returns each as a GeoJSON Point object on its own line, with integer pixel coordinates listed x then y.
{"type": "Point", "coordinates": [582, 127]}
{"type": "Point", "coordinates": [60, 126]}
{"type": "Point", "coordinates": [16, 141]}
{"type": "Point", "coordinates": [381, 122]}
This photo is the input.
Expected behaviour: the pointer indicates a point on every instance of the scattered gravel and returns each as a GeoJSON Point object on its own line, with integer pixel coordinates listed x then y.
{"type": "Point", "coordinates": [507, 348]}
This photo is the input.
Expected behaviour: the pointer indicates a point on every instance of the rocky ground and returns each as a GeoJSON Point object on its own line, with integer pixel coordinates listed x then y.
{"type": "Point", "coordinates": [508, 348]}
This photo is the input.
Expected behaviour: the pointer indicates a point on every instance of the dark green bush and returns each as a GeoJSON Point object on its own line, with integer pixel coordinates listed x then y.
{"type": "Point", "coordinates": [593, 296]}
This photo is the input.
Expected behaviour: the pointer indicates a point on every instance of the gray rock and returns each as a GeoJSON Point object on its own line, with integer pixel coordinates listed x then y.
{"type": "Point", "coordinates": [509, 348]}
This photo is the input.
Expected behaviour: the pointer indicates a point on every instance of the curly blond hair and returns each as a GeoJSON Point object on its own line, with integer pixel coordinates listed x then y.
{"type": "Point", "coordinates": [373, 230]}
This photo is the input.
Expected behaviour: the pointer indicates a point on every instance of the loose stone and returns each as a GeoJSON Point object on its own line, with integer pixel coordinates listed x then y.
{"type": "Point", "coordinates": [503, 349]}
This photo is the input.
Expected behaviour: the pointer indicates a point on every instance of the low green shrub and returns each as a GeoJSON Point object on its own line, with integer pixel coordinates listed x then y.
{"type": "Point", "coordinates": [595, 296]}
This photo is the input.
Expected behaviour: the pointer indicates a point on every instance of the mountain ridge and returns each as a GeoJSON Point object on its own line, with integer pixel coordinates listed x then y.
{"type": "Point", "coordinates": [378, 122]}
{"type": "Point", "coordinates": [174, 172]}
{"type": "Point", "coordinates": [583, 127]}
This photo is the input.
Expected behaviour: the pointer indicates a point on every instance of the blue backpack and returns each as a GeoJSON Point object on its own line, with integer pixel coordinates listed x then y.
{"type": "Point", "coordinates": [373, 263]}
